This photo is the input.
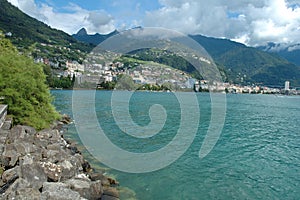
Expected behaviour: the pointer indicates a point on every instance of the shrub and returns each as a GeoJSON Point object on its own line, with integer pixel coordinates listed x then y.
{"type": "Point", "coordinates": [22, 84]}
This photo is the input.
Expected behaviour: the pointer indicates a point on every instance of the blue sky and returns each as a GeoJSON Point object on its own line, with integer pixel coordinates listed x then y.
{"type": "Point", "coordinates": [129, 9]}
{"type": "Point", "coordinates": [252, 22]}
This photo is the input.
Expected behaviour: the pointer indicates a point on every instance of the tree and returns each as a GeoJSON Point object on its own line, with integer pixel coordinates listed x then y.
{"type": "Point", "coordinates": [125, 82]}
{"type": "Point", "coordinates": [22, 84]}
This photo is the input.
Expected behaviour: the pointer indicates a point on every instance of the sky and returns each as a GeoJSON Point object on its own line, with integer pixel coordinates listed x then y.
{"type": "Point", "coordinates": [252, 22]}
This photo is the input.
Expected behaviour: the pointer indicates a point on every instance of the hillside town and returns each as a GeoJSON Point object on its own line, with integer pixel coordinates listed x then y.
{"type": "Point", "coordinates": [156, 74]}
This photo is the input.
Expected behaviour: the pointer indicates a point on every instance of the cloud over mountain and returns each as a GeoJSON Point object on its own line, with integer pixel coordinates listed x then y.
{"type": "Point", "coordinates": [253, 22]}
{"type": "Point", "coordinates": [70, 21]}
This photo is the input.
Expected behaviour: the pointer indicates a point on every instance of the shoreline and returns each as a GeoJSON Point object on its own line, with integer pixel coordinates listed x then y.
{"type": "Point", "coordinates": [150, 91]}
{"type": "Point", "coordinates": [44, 165]}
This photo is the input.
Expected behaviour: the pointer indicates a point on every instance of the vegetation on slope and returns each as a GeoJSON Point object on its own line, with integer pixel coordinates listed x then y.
{"type": "Point", "coordinates": [248, 65]}
{"type": "Point", "coordinates": [23, 88]}
{"type": "Point", "coordinates": [27, 30]}
{"type": "Point", "coordinates": [162, 57]}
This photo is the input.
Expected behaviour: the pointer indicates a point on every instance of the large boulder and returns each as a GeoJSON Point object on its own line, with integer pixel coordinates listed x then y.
{"type": "Point", "coordinates": [58, 191]}
{"type": "Point", "coordinates": [25, 194]}
{"type": "Point", "coordinates": [60, 166]}
{"type": "Point", "coordinates": [110, 191]}
{"type": "Point", "coordinates": [18, 184]}
{"type": "Point", "coordinates": [10, 156]}
{"type": "Point", "coordinates": [34, 174]}
{"type": "Point", "coordinates": [71, 167]}
{"type": "Point", "coordinates": [24, 147]}
{"type": "Point", "coordinates": [53, 171]}
{"type": "Point", "coordinates": [99, 176]}
{"type": "Point", "coordinates": [86, 188]}
{"type": "Point", "coordinates": [10, 174]}
{"type": "Point", "coordinates": [16, 150]}
{"type": "Point", "coordinates": [51, 135]}
{"type": "Point", "coordinates": [20, 132]}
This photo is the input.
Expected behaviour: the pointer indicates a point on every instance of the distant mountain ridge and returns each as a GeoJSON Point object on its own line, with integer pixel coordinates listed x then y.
{"type": "Point", "coordinates": [95, 39]}
{"type": "Point", "coordinates": [250, 64]}
{"type": "Point", "coordinates": [289, 52]}
{"type": "Point", "coordinates": [242, 64]}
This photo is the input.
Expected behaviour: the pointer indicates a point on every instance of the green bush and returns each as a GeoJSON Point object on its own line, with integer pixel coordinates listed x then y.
{"type": "Point", "coordinates": [22, 84]}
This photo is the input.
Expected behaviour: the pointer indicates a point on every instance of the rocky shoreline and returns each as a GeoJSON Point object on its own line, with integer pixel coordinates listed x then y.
{"type": "Point", "coordinates": [44, 165]}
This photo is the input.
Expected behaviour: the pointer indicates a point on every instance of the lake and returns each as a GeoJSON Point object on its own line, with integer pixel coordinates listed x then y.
{"type": "Point", "coordinates": [257, 155]}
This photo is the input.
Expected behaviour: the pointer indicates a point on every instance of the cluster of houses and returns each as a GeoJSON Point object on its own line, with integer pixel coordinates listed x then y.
{"type": "Point", "coordinates": [205, 85]}
{"type": "Point", "coordinates": [154, 74]}
{"type": "Point", "coordinates": [107, 72]}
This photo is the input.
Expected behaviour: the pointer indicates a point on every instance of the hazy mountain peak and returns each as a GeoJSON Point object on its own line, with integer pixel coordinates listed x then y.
{"type": "Point", "coordinates": [82, 32]}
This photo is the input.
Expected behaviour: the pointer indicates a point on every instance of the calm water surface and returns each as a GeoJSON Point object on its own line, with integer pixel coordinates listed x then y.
{"type": "Point", "coordinates": [256, 157]}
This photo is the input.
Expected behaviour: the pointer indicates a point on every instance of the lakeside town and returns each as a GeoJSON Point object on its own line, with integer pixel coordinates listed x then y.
{"type": "Point", "coordinates": [93, 74]}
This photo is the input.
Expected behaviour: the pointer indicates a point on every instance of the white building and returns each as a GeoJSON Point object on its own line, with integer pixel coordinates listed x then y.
{"type": "Point", "coordinates": [74, 66]}
{"type": "Point", "coordinates": [287, 86]}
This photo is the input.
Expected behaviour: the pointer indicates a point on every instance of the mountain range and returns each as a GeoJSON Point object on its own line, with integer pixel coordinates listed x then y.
{"type": "Point", "coordinates": [95, 39]}
{"type": "Point", "coordinates": [241, 64]}
{"type": "Point", "coordinates": [289, 52]}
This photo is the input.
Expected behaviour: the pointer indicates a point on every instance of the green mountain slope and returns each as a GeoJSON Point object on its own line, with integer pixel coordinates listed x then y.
{"type": "Point", "coordinates": [249, 65]}
{"type": "Point", "coordinates": [27, 30]}
{"type": "Point", "coordinates": [240, 64]}
{"type": "Point", "coordinates": [289, 52]}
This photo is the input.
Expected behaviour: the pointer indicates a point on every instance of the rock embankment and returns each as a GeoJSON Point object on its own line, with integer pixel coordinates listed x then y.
{"type": "Point", "coordinates": [43, 165]}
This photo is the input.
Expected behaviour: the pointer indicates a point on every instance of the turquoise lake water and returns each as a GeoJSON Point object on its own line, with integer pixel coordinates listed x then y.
{"type": "Point", "coordinates": [256, 157]}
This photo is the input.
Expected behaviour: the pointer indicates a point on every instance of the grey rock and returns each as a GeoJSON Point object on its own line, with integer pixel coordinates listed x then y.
{"type": "Point", "coordinates": [99, 176]}
{"type": "Point", "coordinates": [54, 147]}
{"type": "Point", "coordinates": [54, 156]}
{"type": "Point", "coordinates": [20, 132]}
{"type": "Point", "coordinates": [1, 147]}
{"type": "Point", "coordinates": [52, 171]}
{"type": "Point", "coordinates": [96, 189]}
{"type": "Point", "coordinates": [30, 158]}
{"type": "Point", "coordinates": [10, 156]}
{"type": "Point", "coordinates": [69, 170]}
{"type": "Point", "coordinates": [71, 167]}
{"type": "Point", "coordinates": [12, 152]}
{"type": "Point", "coordinates": [106, 197]}
{"type": "Point", "coordinates": [86, 188]}
{"type": "Point", "coordinates": [50, 135]}
{"type": "Point", "coordinates": [73, 149]}
{"type": "Point", "coordinates": [19, 184]}
{"type": "Point", "coordinates": [34, 174]}
{"type": "Point", "coordinates": [24, 147]}
{"type": "Point", "coordinates": [66, 119]}
{"type": "Point", "coordinates": [3, 133]}
{"type": "Point", "coordinates": [110, 191]}
{"type": "Point", "coordinates": [10, 174]}
{"type": "Point", "coordinates": [7, 124]}
{"type": "Point", "coordinates": [58, 191]}
{"type": "Point", "coordinates": [33, 158]}
{"type": "Point", "coordinates": [25, 194]}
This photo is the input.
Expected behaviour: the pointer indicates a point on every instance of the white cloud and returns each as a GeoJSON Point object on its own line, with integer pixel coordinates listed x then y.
{"type": "Point", "coordinates": [100, 20]}
{"type": "Point", "coordinates": [293, 48]}
{"type": "Point", "coordinates": [257, 21]}
{"type": "Point", "coordinates": [253, 22]}
{"type": "Point", "coordinates": [70, 22]}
